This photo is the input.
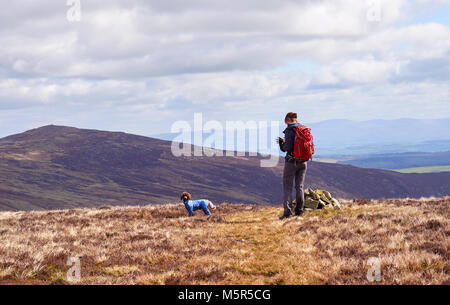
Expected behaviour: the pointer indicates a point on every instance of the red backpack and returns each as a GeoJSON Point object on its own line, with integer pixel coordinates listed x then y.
{"type": "Point", "coordinates": [303, 144]}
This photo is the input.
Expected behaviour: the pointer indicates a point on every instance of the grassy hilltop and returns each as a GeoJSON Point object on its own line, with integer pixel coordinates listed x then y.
{"type": "Point", "coordinates": [239, 244]}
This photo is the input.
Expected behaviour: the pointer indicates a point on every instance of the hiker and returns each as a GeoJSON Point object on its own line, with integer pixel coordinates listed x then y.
{"type": "Point", "coordinates": [194, 205]}
{"type": "Point", "coordinates": [298, 150]}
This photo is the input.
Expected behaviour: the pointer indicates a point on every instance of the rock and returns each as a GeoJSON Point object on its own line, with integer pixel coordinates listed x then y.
{"type": "Point", "coordinates": [337, 205]}
{"type": "Point", "coordinates": [319, 199]}
{"type": "Point", "coordinates": [311, 203]}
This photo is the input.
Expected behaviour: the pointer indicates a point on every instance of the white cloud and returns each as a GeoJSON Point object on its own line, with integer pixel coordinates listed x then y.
{"type": "Point", "coordinates": [131, 61]}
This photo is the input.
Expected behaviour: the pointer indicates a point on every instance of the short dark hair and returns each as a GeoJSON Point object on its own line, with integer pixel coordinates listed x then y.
{"type": "Point", "coordinates": [291, 116]}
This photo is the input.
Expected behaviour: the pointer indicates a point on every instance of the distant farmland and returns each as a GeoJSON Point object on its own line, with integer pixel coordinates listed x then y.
{"type": "Point", "coordinates": [425, 169]}
{"type": "Point", "coordinates": [400, 161]}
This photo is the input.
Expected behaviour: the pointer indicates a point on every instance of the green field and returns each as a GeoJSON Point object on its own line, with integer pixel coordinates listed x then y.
{"type": "Point", "coordinates": [424, 169]}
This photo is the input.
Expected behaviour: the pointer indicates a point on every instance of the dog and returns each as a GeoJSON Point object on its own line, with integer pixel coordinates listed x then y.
{"type": "Point", "coordinates": [194, 205]}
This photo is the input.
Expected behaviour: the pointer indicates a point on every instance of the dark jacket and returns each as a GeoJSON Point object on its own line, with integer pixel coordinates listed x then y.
{"type": "Point", "coordinates": [288, 144]}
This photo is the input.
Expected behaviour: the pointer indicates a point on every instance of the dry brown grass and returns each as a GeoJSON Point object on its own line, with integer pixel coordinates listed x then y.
{"type": "Point", "coordinates": [239, 244]}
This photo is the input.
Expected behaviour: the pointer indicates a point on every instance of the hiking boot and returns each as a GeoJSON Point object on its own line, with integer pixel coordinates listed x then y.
{"type": "Point", "coordinates": [284, 217]}
{"type": "Point", "coordinates": [299, 213]}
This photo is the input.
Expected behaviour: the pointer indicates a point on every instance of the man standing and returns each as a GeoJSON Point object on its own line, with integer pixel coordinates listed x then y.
{"type": "Point", "coordinates": [293, 170]}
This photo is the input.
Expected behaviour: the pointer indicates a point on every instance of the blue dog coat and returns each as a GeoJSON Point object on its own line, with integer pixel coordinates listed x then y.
{"type": "Point", "coordinates": [194, 205]}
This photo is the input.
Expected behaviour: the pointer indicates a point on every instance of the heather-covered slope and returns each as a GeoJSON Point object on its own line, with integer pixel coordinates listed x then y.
{"type": "Point", "coordinates": [61, 167]}
{"type": "Point", "coordinates": [55, 167]}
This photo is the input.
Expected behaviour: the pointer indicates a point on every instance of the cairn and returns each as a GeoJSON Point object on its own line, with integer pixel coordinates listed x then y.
{"type": "Point", "coordinates": [319, 199]}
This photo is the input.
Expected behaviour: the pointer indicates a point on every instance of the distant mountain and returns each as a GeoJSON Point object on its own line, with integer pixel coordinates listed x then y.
{"type": "Point", "coordinates": [56, 167]}
{"type": "Point", "coordinates": [399, 161]}
{"type": "Point", "coordinates": [346, 137]}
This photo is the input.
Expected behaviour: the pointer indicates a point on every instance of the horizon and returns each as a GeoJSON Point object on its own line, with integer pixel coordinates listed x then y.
{"type": "Point", "coordinates": [248, 140]}
{"type": "Point", "coordinates": [3, 135]}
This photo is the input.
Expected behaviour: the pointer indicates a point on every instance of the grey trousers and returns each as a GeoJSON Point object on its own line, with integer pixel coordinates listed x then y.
{"type": "Point", "coordinates": [294, 171]}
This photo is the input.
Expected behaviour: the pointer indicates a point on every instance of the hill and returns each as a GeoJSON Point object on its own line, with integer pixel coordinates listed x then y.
{"type": "Point", "coordinates": [56, 167]}
{"type": "Point", "coordinates": [237, 245]}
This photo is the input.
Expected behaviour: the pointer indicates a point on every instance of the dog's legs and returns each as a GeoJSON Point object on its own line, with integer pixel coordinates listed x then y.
{"type": "Point", "coordinates": [211, 205]}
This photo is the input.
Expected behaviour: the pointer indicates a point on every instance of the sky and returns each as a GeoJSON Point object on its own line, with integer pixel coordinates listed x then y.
{"type": "Point", "coordinates": [137, 66]}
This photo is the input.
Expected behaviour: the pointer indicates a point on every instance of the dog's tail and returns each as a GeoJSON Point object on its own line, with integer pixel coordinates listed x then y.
{"type": "Point", "coordinates": [211, 205]}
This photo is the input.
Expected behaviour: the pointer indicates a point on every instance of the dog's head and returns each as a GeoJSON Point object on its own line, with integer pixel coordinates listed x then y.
{"type": "Point", "coordinates": [185, 196]}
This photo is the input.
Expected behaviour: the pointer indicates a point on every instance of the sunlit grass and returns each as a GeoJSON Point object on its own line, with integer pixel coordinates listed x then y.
{"type": "Point", "coordinates": [239, 244]}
